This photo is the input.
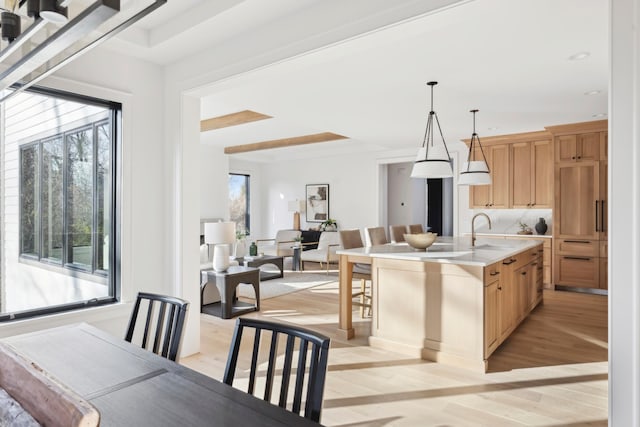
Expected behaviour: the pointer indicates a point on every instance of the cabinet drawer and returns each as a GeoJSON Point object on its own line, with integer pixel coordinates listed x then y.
{"type": "Point", "coordinates": [577, 271]}
{"type": "Point", "coordinates": [578, 247]}
{"type": "Point", "coordinates": [516, 261]}
{"type": "Point", "coordinates": [492, 273]}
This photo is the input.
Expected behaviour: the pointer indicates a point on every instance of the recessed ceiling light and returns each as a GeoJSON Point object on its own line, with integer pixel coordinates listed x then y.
{"type": "Point", "coordinates": [592, 92]}
{"type": "Point", "coordinates": [599, 115]}
{"type": "Point", "coordinates": [579, 56]}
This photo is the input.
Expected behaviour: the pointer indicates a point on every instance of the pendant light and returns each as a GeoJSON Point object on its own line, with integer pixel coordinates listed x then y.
{"type": "Point", "coordinates": [433, 161]}
{"type": "Point", "coordinates": [475, 172]}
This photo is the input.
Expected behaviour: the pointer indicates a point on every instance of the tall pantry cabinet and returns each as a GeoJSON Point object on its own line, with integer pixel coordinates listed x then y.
{"type": "Point", "coordinates": [580, 204]}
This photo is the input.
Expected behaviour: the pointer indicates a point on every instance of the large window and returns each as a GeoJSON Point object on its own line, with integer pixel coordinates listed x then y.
{"type": "Point", "coordinates": [64, 208]}
{"type": "Point", "coordinates": [239, 202]}
{"type": "Point", "coordinates": [60, 174]}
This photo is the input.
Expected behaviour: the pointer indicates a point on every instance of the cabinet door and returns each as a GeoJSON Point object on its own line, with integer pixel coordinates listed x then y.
{"type": "Point", "coordinates": [604, 145]}
{"type": "Point", "coordinates": [523, 278]}
{"type": "Point", "coordinates": [576, 192]}
{"type": "Point", "coordinates": [542, 178]}
{"type": "Point", "coordinates": [499, 166]}
{"type": "Point", "coordinates": [479, 195]}
{"type": "Point", "coordinates": [521, 175]}
{"type": "Point", "coordinates": [491, 314]}
{"type": "Point", "coordinates": [588, 146]}
{"type": "Point", "coordinates": [566, 148]}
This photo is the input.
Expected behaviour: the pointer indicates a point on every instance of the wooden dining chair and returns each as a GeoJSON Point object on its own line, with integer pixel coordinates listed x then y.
{"type": "Point", "coordinates": [397, 232]}
{"type": "Point", "coordinates": [163, 323]}
{"type": "Point", "coordinates": [351, 239]}
{"type": "Point", "coordinates": [377, 236]}
{"type": "Point", "coordinates": [415, 229]}
{"type": "Point", "coordinates": [311, 351]}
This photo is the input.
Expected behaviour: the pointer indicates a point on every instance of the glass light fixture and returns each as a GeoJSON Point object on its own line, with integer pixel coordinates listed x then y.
{"type": "Point", "coordinates": [475, 172]}
{"type": "Point", "coordinates": [433, 161]}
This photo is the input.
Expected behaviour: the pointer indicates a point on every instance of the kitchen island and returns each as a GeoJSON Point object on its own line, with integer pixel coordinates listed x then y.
{"type": "Point", "coordinates": [452, 303]}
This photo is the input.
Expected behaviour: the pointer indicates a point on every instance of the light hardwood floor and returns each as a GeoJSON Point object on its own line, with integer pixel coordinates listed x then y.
{"type": "Point", "coordinates": [551, 372]}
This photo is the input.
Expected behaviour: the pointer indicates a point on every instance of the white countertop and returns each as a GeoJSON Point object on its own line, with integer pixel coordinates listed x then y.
{"type": "Point", "coordinates": [451, 250]}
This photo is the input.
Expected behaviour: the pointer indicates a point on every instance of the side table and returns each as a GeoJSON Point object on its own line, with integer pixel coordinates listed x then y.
{"type": "Point", "coordinates": [227, 281]}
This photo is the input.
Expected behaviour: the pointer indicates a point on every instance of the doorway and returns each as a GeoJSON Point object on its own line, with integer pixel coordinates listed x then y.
{"type": "Point", "coordinates": [419, 201]}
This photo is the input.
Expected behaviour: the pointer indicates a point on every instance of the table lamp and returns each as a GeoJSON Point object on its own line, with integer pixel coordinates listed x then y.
{"type": "Point", "coordinates": [221, 235]}
{"type": "Point", "coordinates": [296, 206]}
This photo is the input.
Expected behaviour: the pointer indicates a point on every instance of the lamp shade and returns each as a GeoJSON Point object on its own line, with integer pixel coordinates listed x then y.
{"type": "Point", "coordinates": [296, 206]}
{"type": "Point", "coordinates": [219, 232]}
{"type": "Point", "coordinates": [432, 164]}
{"type": "Point", "coordinates": [475, 172]}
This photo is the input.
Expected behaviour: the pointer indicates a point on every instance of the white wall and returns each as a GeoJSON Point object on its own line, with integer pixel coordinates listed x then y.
{"type": "Point", "coordinates": [352, 190]}
{"type": "Point", "coordinates": [138, 85]}
{"type": "Point", "coordinates": [214, 172]}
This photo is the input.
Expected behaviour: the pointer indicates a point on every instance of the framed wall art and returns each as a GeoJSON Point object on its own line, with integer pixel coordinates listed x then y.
{"type": "Point", "coordinates": [317, 197]}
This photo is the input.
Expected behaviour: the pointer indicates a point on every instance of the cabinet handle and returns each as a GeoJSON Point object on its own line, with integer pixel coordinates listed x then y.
{"type": "Point", "coordinates": [499, 288]}
{"type": "Point", "coordinates": [534, 263]}
{"type": "Point", "coordinates": [597, 202]}
{"type": "Point", "coordinates": [524, 273]}
{"type": "Point", "coordinates": [579, 157]}
{"type": "Point", "coordinates": [578, 241]}
{"type": "Point", "coordinates": [494, 273]}
{"type": "Point", "coordinates": [602, 216]}
{"type": "Point", "coordinates": [578, 258]}
{"type": "Point", "coordinates": [573, 157]}
{"type": "Point", "coordinates": [507, 262]}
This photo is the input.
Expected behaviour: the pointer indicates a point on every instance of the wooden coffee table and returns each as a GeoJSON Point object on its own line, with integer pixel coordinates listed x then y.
{"type": "Point", "coordinates": [262, 260]}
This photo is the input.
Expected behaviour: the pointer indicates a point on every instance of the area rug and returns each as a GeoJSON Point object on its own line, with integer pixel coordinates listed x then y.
{"type": "Point", "coordinates": [292, 281]}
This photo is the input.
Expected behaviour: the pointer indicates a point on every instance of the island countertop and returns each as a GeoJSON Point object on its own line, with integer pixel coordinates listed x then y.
{"type": "Point", "coordinates": [451, 250]}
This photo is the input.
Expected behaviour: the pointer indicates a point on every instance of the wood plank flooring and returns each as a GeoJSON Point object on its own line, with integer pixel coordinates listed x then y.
{"type": "Point", "coordinates": [551, 372]}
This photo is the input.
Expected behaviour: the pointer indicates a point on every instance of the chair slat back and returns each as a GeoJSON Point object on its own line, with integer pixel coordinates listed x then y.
{"type": "Point", "coordinates": [397, 233]}
{"type": "Point", "coordinates": [416, 229]}
{"type": "Point", "coordinates": [377, 236]}
{"type": "Point", "coordinates": [350, 239]}
{"type": "Point", "coordinates": [163, 323]}
{"type": "Point", "coordinates": [311, 365]}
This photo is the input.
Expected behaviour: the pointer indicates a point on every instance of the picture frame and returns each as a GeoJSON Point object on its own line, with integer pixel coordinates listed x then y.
{"type": "Point", "coordinates": [317, 202]}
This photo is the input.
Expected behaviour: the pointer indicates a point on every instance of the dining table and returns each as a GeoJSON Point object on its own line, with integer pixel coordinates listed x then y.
{"type": "Point", "coordinates": [130, 386]}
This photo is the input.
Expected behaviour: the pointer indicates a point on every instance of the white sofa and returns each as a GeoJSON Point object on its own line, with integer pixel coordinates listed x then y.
{"type": "Point", "coordinates": [328, 244]}
{"type": "Point", "coordinates": [281, 245]}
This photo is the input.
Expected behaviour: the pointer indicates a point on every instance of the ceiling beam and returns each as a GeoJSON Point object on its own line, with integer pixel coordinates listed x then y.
{"type": "Point", "coordinates": [233, 119]}
{"type": "Point", "coordinates": [285, 142]}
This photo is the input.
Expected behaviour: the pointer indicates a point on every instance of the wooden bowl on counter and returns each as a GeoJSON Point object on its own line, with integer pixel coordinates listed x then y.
{"type": "Point", "coordinates": [420, 240]}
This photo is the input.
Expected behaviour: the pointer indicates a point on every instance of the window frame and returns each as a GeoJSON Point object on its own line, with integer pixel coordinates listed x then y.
{"type": "Point", "coordinates": [112, 277]}
{"type": "Point", "coordinates": [247, 215]}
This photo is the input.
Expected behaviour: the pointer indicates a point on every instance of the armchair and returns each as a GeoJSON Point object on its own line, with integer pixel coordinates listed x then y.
{"type": "Point", "coordinates": [279, 245]}
{"type": "Point", "coordinates": [328, 244]}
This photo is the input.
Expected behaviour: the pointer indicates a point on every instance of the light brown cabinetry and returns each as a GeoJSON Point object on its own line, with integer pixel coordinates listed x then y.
{"type": "Point", "coordinates": [532, 175]}
{"type": "Point", "coordinates": [578, 147]}
{"type": "Point", "coordinates": [580, 205]}
{"type": "Point", "coordinates": [512, 288]}
{"type": "Point", "coordinates": [492, 307]}
{"type": "Point", "coordinates": [495, 195]}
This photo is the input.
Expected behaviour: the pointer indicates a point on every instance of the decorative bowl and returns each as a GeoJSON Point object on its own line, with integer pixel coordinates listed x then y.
{"type": "Point", "coordinates": [420, 240]}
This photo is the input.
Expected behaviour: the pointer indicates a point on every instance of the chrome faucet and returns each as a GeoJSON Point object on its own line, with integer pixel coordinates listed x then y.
{"type": "Point", "coordinates": [473, 230]}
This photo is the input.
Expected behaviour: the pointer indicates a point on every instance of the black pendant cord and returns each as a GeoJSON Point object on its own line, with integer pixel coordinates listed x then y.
{"type": "Point", "coordinates": [428, 133]}
{"type": "Point", "coordinates": [472, 152]}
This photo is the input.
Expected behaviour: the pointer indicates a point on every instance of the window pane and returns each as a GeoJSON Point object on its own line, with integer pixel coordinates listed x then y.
{"type": "Point", "coordinates": [239, 202]}
{"type": "Point", "coordinates": [103, 189]}
{"type": "Point", "coordinates": [80, 198]}
{"type": "Point", "coordinates": [28, 206]}
{"type": "Point", "coordinates": [52, 199]}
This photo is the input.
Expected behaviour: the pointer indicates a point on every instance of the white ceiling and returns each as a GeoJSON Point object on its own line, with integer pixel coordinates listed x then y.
{"type": "Point", "coordinates": [509, 59]}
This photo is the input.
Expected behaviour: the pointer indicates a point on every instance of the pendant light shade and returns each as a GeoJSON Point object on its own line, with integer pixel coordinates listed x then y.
{"type": "Point", "coordinates": [475, 171]}
{"type": "Point", "coordinates": [433, 160]}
